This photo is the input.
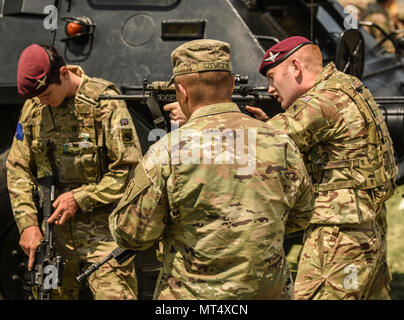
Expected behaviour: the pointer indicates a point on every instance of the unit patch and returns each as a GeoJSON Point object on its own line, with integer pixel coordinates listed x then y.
{"type": "Point", "coordinates": [19, 133]}
{"type": "Point", "coordinates": [127, 135]}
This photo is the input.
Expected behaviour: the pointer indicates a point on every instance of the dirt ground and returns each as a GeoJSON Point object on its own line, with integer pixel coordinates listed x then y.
{"type": "Point", "coordinates": [395, 243]}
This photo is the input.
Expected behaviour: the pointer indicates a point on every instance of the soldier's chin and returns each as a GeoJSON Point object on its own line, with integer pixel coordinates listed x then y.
{"type": "Point", "coordinates": [284, 106]}
{"type": "Point", "coordinates": [54, 105]}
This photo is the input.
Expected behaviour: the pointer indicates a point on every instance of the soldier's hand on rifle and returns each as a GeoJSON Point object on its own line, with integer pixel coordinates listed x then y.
{"type": "Point", "coordinates": [258, 113]}
{"type": "Point", "coordinates": [65, 207]}
{"type": "Point", "coordinates": [176, 113]}
{"type": "Point", "coordinates": [31, 238]}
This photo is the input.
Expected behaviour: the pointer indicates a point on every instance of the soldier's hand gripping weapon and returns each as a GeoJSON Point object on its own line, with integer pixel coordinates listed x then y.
{"type": "Point", "coordinates": [157, 93]}
{"type": "Point", "coordinates": [120, 256]}
{"type": "Point", "coordinates": [47, 271]}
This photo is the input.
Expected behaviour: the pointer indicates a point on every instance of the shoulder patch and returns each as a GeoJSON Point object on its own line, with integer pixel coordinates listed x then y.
{"type": "Point", "coordinates": [19, 132]}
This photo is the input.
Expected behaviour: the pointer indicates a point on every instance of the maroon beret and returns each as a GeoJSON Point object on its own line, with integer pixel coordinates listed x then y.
{"type": "Point", "coordinates": [280, 51]}
{"type": "Point", "coordinates": [32, 72]}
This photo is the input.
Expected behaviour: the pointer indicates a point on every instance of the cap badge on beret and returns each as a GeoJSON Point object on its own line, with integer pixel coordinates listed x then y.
{"type": "Point", "coordinates": [272, 57]}
{"type": "Point", "coordinates": [32, 72]}
{"type": "Point", "coordinates": [281, 51]}
{"type": "Point", "coordinates": [41, 82]}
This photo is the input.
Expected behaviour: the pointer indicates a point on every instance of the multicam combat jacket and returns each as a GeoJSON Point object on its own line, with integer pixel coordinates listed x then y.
{"type": "Point", "coordinates": [347, 148]}
{"type": "Point", "coordinates": [221, 191]}
{"type": "Point", "coordinates": [92, 144]}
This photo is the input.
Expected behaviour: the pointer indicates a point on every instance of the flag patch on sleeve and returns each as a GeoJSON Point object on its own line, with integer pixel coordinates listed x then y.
{"type": "Point", "coordinates": [19, 134]}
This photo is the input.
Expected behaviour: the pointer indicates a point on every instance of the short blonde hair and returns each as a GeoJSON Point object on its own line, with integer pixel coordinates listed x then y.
{"type": "Point", "coordinates": [311, 58]}
{"type": "Point", "coordinates": [205, 87]}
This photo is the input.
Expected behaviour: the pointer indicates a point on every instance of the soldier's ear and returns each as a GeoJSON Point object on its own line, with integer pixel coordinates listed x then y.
{"type": "Point", "coordinates": [296, 66]}
{"type": "Point", "coordinates": [184, 94]}
{"type": "Point", "coordinates": [64, 73]}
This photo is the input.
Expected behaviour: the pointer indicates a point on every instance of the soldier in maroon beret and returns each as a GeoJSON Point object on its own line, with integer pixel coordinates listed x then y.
{"type": "Point", "coordinates": [93, 144]}
{"type": "Point", "coordinates": [337, 125]}
{"type": "Point", "coordinates": [42, 73]}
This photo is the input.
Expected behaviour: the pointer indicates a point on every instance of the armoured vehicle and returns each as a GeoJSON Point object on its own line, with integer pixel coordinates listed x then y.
{"type": "Point", "coordinates": [129, 41]}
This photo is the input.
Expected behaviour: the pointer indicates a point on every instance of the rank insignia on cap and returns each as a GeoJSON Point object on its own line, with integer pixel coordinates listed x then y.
{"type": "Point", "coordinates": [41, 82]}
{"type": "Point", "coordinates": [272, 57]}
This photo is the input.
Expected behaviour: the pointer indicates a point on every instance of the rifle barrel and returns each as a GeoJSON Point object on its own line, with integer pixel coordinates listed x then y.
{"type": "Point", "coordinates": [235, 97]}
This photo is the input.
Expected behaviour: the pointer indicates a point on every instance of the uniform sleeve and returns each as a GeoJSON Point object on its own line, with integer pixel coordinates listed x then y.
{"type": "Point", "coordinates": [140, 217]}
{"type": "Point", "coordinates": [300, 193]}
{"type": "Point", "coordinates": [308, 122]}
{"type": "Point", "coordinates": [123, 152]}
{"type": "Point", "coordinates": [19, 173]}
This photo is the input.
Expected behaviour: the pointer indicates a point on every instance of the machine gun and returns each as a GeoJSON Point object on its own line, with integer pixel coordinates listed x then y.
{"type": "Point", "coordinates": [48, 268]}
{"type": "Point", "coordinates": [120, 256]}
{"type": "Point", "coordinates": [157, 93]}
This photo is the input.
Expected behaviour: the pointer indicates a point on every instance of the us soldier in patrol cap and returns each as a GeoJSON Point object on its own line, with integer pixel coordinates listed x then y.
{"type": "Point", "coordinates": [221, 191]}
{"type": "Point", "coordinates": [337, 125]}
{"type": "Point", "coordinates": [93, 145]}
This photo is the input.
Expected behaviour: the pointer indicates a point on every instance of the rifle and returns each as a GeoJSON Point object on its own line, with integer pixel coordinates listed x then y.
{"type": "Point", "coordinates": [157, 93]}
{"type": "Point", "coordinates": [120, 256]}
{"type": "Point", "coordinates": [48, 268]}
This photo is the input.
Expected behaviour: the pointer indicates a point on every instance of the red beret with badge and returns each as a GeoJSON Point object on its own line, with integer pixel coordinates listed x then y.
{"type": "Point", "coordinates": [281, 51]}
{"type": "Point", "coordinates": [32, 72]}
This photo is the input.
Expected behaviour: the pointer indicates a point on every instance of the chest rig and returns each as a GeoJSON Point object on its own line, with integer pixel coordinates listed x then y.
{"type": "Point", "coordinates": [76, 138]}
{"type": "Point", "coordinates": [376, 170]}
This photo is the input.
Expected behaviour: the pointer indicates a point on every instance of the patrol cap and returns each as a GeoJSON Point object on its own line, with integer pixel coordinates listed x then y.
{"type": "Point", "coordinates": [32, 72]}
{"type": "Point", "coordinates": [281, 51]}
{"type": "Point", "coordinates": [200, 56]}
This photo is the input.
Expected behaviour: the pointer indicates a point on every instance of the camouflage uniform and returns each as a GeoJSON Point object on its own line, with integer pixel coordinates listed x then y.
{"type": "Point", "coordinates": [222, 225]}
{"type": "Point", "coordinates": [348, 152]}
{"type": "Point", "coordinates": [94, 146]}
{"type": "Point", "coordinates": [378, 15]}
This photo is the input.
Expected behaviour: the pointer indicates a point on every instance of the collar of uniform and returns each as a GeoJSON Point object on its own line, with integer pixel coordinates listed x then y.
{"type": "Point", "coordinates": [216, 108]}
{"type": "Point", "coordinates": [327, 71]}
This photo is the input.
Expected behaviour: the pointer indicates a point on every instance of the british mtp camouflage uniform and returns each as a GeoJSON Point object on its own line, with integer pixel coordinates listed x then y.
{"type": "Point", "coordinates": [94, 145]}
{"type": "Point", "coordinates": [378, 15]}
{"type": "Point", "coordinates": [222, 230]}
{"type": "Point", "coordinates": [349, 155]}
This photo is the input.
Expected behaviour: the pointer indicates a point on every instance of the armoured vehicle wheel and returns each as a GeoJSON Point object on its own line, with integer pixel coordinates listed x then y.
{"type": "Point", "coordinates": [350, 55]}
{"type": "Point", "coordinates": [12, 257]}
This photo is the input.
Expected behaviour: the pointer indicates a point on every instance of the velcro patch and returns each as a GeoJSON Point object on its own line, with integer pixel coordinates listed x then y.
{"type": "Point", "coordinates": [127, 135]}
{"type": "Point", "coordinates": [124, 122]}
